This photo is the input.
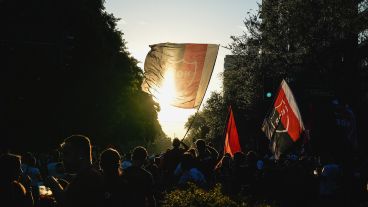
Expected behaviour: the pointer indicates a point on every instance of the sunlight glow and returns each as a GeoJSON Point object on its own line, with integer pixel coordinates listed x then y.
{"type": "Point", "coordinates": [208, 22]}
{"type": "Point", "coordinates": [165, 95]}
{"type": "Point", "coordinates": [171, 118]}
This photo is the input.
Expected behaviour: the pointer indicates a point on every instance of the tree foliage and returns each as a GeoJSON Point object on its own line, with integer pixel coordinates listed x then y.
{"type": "Point", "coordinates": [208, 123]}
{"type": "Point", "coordinates": [66, 70]}
{"type": "Point", "coordinates": [311, 44]}
{"type": "Point", "coordinates": [294, 39]}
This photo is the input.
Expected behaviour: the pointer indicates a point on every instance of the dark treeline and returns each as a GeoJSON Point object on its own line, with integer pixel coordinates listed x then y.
{"type": "Point", "coordinates": [319, 48]}
{"type": "Point", "coordinates": [65, 69]}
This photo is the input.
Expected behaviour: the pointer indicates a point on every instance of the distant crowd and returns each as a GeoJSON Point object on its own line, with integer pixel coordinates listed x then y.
{"type": "Point", "coordinates": [72, 176]}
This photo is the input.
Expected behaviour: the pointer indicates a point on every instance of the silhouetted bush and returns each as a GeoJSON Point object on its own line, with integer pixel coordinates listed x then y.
{"type": "Point", "coordinates": [194, 196]}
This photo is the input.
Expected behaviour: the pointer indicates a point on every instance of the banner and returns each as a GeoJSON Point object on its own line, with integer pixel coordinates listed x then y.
{"type": "Point", "coordinates": [187, 66]}
{"type": "Point", "coordinates": [284, 125]}
{"type": "Point", "coordinates": [232, 144]}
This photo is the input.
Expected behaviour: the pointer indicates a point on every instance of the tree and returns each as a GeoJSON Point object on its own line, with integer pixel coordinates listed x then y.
{"type": "Point", "coordinates": [294, 39]}
{"type": "Point", "coordinates": [311, 44]}
{"type": "Point", "coordinates": [66, 70]}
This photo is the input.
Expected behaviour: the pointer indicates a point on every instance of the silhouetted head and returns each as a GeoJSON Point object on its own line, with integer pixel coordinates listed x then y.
{"type": "Point", "coordinates": [10, 168]}
{"type": "Point", "coordinates": [187, 162]}
{"type": "Point", "coordinates": [251, 156]}
{"type": "Point", "coordinates": [29, 159]}
{"type": "Point", "coordinates": [239, 158]}
{"type": "Point", "coordinates": [76, 151]}
{"type": "Point", "coordinates": [176, 143]}
{"type": "Point", "coordinates": [110, 160]}
{"type": "Point", "coordinates": [200, 145]}
{"type": "Point", "coordinates": [227, 155]}
{"type": "Point", "coordinates": [139, 155]}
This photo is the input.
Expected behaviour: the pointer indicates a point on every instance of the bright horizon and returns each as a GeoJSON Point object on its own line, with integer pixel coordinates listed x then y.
{"type": "Point", "coordinates": [146, 22]}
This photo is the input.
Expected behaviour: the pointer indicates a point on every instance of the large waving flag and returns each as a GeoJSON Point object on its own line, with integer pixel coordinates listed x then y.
{"type": "Point", "coordinates": [284, 125]}
{"type": "Point", "coordinates": [232, 144]}
{"type": "Point", "coordinates": [189, 66]}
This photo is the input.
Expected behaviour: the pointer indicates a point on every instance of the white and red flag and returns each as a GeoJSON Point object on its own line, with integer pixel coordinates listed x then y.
{"type": "Point", "coordinates": [284, 125]}
{"type": "Point", "coordinates": [189, 68]}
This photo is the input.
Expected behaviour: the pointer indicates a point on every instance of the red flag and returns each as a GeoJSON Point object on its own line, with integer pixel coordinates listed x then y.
{"type": "Point", "coordinates": [231, 145]}
{"type": "Point", "coordinates": [187, 66]}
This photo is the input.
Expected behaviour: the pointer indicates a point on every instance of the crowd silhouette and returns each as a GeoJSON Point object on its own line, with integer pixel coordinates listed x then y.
{"type": "Point", "coordinates": [74, 176]}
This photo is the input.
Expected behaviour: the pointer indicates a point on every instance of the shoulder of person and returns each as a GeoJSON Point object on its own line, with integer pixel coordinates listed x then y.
{"type": "Point", "coordinates": [52, 164]}
{"type": "Point", "coordinates": [182, 151]}
{"type": "Point", "coordinates": [195, 171]}
{"type": "Point", "coordinates": [148, 175]}
{"type": "Point", "coordinates": [196, 174]}
{"type": "Point", "coordinates": [131, 168]}
{"type": "Point", "coordinates": [90, 174]}
{"type": "Point", "coordinates": [18, 188]}
{"type": "Point", "coordinates": [35, 170]}
{"type": "Point", "coordinates": [94, 171]}
{"type": "Point", "coordinates": [177, 151]}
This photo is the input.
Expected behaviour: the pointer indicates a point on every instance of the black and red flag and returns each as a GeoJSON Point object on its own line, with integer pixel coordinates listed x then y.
{"type": "Point", "coordinates": [232, 144]}
{"type": "Point", "coordinates": [189, 66]}
{"type": "Point", "coordinates": [284, 125]}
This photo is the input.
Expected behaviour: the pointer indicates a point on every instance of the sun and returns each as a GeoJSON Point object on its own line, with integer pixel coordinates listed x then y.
{"type": "Point", "coordinates": [165, 95]}
{"type": "Point", "coordinates": [171, 118]}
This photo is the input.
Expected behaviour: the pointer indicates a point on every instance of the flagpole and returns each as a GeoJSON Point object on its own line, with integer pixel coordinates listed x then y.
{"type": "Point", "coordinates": [274, 132]}
{"type": "Point", "coordinates": [270, 108]}
{"type": "Point", "coordinates": [224, 135]}
{"type": "Point", "coordinates": [279, 118]}
{"type": "Point", "coordinates": [227, 119]}
{"type": "Point", "coordinates": [191, 123]}
{"type": "Point", "coordinates": [225, 127]}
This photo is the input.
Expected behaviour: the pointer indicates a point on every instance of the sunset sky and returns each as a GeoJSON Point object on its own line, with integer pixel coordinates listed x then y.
{"type": "Point", "coordinates": [147, 22]}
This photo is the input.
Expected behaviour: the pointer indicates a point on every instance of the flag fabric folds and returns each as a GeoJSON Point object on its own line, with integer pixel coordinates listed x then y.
{"type": "Point", "coordinates": [191, 66]}
{"type": "Point", "coordinates": [284, 125]}
{"type": "Point", "coordinates": [232, 144]}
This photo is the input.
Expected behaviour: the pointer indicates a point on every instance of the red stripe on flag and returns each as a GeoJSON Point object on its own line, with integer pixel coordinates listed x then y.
{"type": "Point", "coordinates": [288, 117]}
{"type": "Point", "coordinates": [188, 76]}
